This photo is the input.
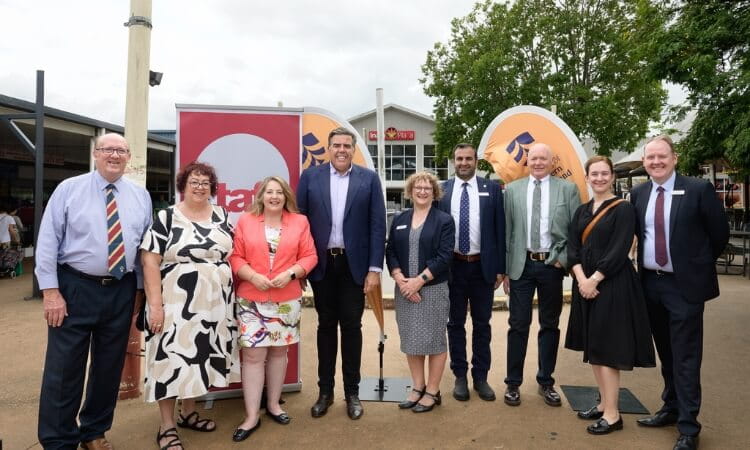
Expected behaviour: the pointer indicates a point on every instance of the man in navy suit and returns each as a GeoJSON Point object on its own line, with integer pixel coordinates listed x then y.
{"type": "Point", "coordinates": [344, 204]}
{"type": "Point", "coordinates": [478, 268]}
{"type": "Point", "coordinates": [682, 229]}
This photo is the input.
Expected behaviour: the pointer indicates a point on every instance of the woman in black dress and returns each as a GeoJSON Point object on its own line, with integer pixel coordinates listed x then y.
{"type": "Point", "coordinates": [608, 317]}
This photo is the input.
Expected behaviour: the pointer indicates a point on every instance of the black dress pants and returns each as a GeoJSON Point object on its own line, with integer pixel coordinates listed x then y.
{"type": "Point", "coordinates": [468, 289]}
{"type": "Point", "coordinates": [677, 327]}
{"type": "Point", "coordinates": [547, 281]}
{"type": "Point", "coordinates": [339, 302]}
{"type": "Point", "coordinates": [97, 327]}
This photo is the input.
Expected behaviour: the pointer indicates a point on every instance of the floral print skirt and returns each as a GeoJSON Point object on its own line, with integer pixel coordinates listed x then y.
{"type": "Point", "coordinates": [268, 324]}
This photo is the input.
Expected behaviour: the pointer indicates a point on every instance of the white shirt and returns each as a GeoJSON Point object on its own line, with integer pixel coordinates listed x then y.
{"type": "Point", "coordinates": [5, 222]}
{"type": "Point", "coordinates": [545, 238]}
{"type": "Point", "coordinates": [649, 236]}
{"type": "Point", "coordinates": [339, 189]}
{"type": "Point", "coordinates": [475, 235]}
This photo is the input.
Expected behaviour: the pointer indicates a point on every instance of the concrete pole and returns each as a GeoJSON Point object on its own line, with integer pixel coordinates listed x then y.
{"type": "Point", "coordinates": [136, 100]}
{"type": "Point", "coordinates": [136, 133]}
{"type": "Point", "coordinates": [380, 121]}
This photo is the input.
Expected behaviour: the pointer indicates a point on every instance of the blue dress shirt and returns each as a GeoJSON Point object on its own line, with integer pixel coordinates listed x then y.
{"type": "Point", "coordinates": [649, 233]}
{"type": "Point", "coordinates": [74, 227]}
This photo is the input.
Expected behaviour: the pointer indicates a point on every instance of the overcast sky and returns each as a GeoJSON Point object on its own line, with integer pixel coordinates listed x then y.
{"type": "Point", "coordinates": [226, 52]}
{"type": "Point", "coordinates": [230, 52]}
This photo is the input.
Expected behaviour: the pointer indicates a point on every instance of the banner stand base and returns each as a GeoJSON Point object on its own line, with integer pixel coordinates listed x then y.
{"type": "Point", "coordinates": [394, 389]}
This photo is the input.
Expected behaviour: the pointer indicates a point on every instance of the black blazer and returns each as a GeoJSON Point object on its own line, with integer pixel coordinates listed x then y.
{"type": "Point", "coordinates": [698, 233]}
{"type": "Point", "coordinates": [435, 244]}
{"type": "Point", "coordinates": [491, 225]}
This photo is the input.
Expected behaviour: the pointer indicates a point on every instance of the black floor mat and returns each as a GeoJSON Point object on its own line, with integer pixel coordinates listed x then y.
{"type": "Point", "coordinates": [582, 398]}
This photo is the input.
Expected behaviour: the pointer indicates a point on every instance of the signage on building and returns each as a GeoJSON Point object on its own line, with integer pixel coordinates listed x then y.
{"type": "Point", "coordinates": [392, 134]}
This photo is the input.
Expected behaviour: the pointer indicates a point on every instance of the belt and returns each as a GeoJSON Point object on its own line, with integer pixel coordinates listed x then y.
{"type": "Point", "coordinates": [335, 251]}
{"type": "Point", "coordinates": [658, 272]}
{"type": "Point", "coordinates": [104, 281]}
{"type": "Point", "coordinates": [466, 258]}
{"type": "Point", "coordinates": [537, 256]}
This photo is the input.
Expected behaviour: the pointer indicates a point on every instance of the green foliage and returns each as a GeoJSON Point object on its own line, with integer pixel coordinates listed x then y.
{"type": "Point", "coordinates": [588, 57]}
{"type": "Point", "coordinates": [706, 49]}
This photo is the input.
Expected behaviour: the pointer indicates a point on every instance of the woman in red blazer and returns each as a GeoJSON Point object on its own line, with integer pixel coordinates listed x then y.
{"type": "Point", "coordinates": [273, 249]}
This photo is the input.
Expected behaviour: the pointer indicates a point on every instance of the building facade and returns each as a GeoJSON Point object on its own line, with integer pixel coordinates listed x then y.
{"type": "Point", "coordinates": [409, 148]}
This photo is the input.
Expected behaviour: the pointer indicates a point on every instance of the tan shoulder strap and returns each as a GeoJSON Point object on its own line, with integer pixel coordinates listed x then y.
{"type": "Point", "coordinates": [601, 214]}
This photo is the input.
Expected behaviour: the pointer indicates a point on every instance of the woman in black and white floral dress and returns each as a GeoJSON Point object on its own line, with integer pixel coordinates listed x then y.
{"type": "Point", "coordinates": [192, 330]}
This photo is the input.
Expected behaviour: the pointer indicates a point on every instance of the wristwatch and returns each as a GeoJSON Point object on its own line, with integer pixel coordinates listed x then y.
{"type": "Point", "coordinates": [424, 277]}
{"type": "Point", "coordinates": [292, 275]}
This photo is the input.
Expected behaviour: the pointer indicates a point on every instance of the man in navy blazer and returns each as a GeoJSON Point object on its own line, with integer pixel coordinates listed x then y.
{"type": "Point", "coordinates": [344, 205]}
{"type": "Point", "coordinates": [478, 268]}
{"type": "Point", "coordinates": [682, 229]}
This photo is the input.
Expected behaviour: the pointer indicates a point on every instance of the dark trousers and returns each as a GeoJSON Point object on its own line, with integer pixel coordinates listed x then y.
{"type": "Point", "coordinates": [677, 327]}
{"type": "Point", "coordinates": [339, 302]}
{"type": "Point", "coordinates": [547, 281]}
{"type": "Point", "coordinates": [468, 289]}
{"type": "Point", "coordinates": [98, 324]}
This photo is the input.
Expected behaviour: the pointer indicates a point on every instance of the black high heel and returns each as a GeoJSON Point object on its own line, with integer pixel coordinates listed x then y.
{"type": "Point", "coordinates": [408, 404]}
{"type": "Point", "coordinates": [420, 408]}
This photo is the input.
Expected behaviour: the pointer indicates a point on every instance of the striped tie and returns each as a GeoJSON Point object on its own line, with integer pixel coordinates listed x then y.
{"type": "Point", "coordinates": [116, 259]}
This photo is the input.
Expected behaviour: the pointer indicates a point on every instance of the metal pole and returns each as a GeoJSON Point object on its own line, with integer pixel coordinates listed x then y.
{"type": "Point", "coordinates": [380, 119]}
{"type": "Point", "coordinates": [136, 133]}
{"type": "Point", "coordinates": [38, 167]}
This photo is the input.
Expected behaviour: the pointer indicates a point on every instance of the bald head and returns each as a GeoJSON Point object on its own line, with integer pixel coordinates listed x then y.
{"type": "Point", "coordinates": [539, 160]}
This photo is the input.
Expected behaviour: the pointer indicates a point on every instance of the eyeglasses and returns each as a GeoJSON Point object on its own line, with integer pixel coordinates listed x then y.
{"type": "Point", "coordinates": [198, 184]}
{"type": "Point", "coordinates": [110, 150]}
{"type": "Point", "coordinates": [423, 188]}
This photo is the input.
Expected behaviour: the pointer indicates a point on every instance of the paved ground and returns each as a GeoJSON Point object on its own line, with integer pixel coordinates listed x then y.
{"type": "Point", "coordinates": [473, 424]}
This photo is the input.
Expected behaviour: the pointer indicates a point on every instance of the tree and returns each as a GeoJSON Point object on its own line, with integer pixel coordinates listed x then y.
{"type": "Point", "coordinates": [588, 57]}
{"type": "Point", "coordinates": [706, 49]}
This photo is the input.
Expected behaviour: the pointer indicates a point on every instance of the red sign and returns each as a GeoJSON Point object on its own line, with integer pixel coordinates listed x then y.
{"type": "Point", "coordinates": [392, 134]}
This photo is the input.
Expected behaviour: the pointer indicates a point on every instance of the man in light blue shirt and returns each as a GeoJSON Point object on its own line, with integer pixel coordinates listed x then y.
{"type": "Point", "coordinates": [88, 271]}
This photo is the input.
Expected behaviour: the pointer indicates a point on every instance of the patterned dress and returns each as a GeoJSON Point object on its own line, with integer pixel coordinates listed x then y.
{"type": "Point", "coordinates": [422, 326]}
{"type": "Point", "coordinates": [196, 349]}
{"type": "Point", "coordinates": [269, 324]}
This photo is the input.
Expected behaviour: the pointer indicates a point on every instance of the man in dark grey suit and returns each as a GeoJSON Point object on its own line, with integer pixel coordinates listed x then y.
{"type": "Point", "coordinates": [682, 229]}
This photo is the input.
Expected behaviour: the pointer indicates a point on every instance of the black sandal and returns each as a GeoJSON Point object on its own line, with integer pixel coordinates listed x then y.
{"type": "Point", "coordinates": [408, 404]}
{"type": "Point", "coordinates": [168, 433]}
{"type": "Point", "coordinates": [199, 424]}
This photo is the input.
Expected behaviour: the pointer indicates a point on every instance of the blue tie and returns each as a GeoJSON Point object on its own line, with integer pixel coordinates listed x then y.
{"type": "Point", "coordinates": [464, 241]}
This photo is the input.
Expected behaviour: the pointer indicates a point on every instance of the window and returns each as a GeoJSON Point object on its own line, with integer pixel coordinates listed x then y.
{"type": "Point", "coordinates": [400, 160]}
{"type": "Point", "coordinates": [431, 163]}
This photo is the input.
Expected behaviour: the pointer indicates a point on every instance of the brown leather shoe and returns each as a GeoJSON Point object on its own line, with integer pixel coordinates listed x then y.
{"type": "Point", "coordinates": [97, 444]}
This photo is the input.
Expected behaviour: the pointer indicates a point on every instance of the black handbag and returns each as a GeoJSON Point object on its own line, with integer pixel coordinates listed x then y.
{"type": "Point", "coordinates": [140, 322]}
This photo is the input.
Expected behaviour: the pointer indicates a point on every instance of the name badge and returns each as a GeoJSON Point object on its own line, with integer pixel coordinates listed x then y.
{"type": "Point", "coordinates": [400, 227]}
{"type": "Point", "coordinates": [484, 194]}
{"type": "Point", "coordinates": [678, 192]}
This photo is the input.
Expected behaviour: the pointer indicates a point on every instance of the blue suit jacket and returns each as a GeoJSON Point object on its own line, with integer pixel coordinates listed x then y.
{"type": "Point", "coordinates": [491, 224]}
{"type": "Point", "coordinates": [364, 218]}
{"type": "Point", "coordinates": [698, 233]}
{"type": "Point", "coordinates": [435, 244]}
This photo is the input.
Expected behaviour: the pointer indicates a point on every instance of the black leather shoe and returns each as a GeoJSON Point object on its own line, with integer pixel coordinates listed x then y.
{"type": "Point", "coordinates": [484, 390]}
{"type": "Point", "coordinates": [354, 407]}
{"type": "Point", "coordinates": [282, 418]}
{"type": "Point", "coordinates": [436, 400]}
{"type": "Point", "coordinates": [512, 396]}
{"type": "Point", "coordinates": [685, 442]}
{"type": "Point", "coordinates": [591, 414]}
{"type": "Point", "coordinates": [461, 389]}
{"type": "Point", "coordinates": [408, 404]}
{"type": "Point", "coordinates": [601, 426]}
{"type": "Point", "coordinates": [240, 434]}
{"type": "Point", "coordinates": [551, 397]}
{"type": "Point", "coordinates": [320, 408]}
{"type": "Point", "coordinates": [660, 419]}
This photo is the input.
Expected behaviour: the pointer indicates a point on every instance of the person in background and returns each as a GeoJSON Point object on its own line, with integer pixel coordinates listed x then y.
{"type": "Point", "coordinates": [273, 252]}
{"type": "Point", "coordinates": [419, 253]}
{"type": "Point", "coordinates": [608, 317]}
{"type": "Point", "coordinates": [192, 329]}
